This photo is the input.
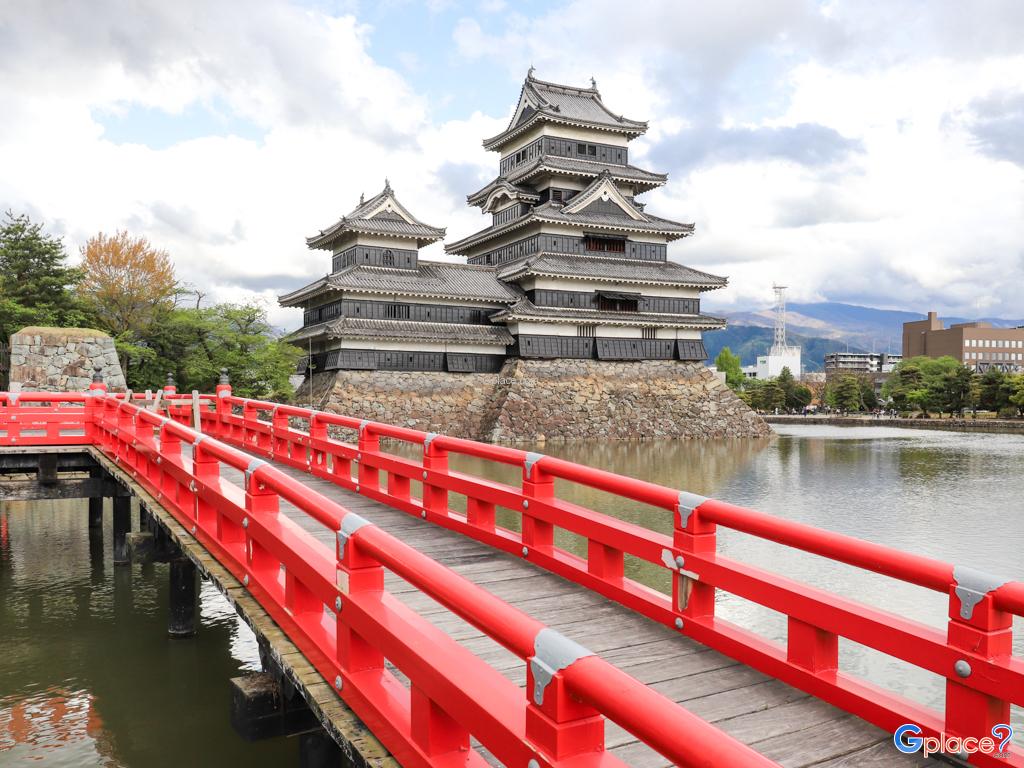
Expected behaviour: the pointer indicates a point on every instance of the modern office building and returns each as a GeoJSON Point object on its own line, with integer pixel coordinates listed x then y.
{"type": "Point", "coordinates": [860, 362]}
{"type": "Point", "coordinates": [571, 264]}
{"type": "Point", "coordinates": [978, 345]}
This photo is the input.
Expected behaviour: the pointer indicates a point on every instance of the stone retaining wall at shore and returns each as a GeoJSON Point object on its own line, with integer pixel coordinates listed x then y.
{"type": "Point", "coordinates": [538, 400]}
{"type": "Point", "coordinates": [62, 360]}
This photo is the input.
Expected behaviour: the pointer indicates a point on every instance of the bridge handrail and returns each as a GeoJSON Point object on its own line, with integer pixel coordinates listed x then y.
{"type": "Point", "coordinates": [975, 657]}
{"type": "Point", "coordinates": [241, 528]}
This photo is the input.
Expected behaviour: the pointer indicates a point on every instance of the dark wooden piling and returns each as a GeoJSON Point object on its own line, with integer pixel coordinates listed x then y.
{"type": "Point", "coordinates": [318, 750]}
{"type": "Point", "coordinates": [122, 525]}
{"type": "Point", "coordinates": [181, 622]}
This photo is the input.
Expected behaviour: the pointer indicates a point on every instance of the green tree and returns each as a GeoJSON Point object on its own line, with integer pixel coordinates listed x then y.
{"type": "Point", "coordinates": [195, 343]}
{"type": "Point", "coordinates": [767, 395]}
{"type": "Point", "coordinates": [931, 383]}
{"type": "Point", "coordinates": [955, 389]}
{"type": "Point", "coordinates": [845, 393]}
{"type": "Point", "coordinates": [992, 394]}
{"type": "Point", "coordinates": [730, 365]}
{"type": "Point", "coordinates": [1017, 393]}
{"type": "Point", "coordinates": [799, 397]}
{"type": "Point", "coordinates": [35, 283]}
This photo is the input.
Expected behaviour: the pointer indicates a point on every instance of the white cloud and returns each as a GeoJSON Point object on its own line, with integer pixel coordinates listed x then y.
{"type": "Point", "coordinates": [856, 151]}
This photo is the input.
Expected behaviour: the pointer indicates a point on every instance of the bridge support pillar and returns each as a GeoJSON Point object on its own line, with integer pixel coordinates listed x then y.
{"type": "Point", "coordinates": [96, 503]}
{"type": "Point", "coordinates": [122, 524]}
{"type": "Point", "coordinates": [182, 612]}
{"type": "Point", "coordinates": [318, 750]}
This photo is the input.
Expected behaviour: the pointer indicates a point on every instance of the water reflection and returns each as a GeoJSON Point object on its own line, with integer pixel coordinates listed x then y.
{"type": "Point", "coordinates": [87, 674]}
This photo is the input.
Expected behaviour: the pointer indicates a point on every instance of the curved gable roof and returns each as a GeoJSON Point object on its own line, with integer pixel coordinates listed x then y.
{"type": "Point", "coordinates": [381, 215]}
{"type": "Point", "coordinates": [542, 101]}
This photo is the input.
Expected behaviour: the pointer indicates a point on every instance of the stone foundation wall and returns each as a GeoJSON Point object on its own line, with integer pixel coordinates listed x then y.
{"type": "Point", "coordinates": [453, 403]}
{"type": "Point", "coordinates": [538, 400]}
{"type": "Point", "coordinates": [62, 360]}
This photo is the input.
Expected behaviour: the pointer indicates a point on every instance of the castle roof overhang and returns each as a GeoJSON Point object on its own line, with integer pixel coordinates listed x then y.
{"type": "Point", "coordinates": [570, 166]}
{"type": "Point", "coordinates": [617, 271]}
{"type": "Point", "coordinates": [486, 197]}
{"type": "Point", "coordinates": [381, 216]}
{"type": "Point", "coordinates": [525, 310]}
{"type": "Point", "coordinates": [430, 280]}
{"type": "Point", "coordinates": [363, 329]}
{"type": "Point", "coordinates": [596, 223]}
{"type": "Point", "coordinates": [544, 102]}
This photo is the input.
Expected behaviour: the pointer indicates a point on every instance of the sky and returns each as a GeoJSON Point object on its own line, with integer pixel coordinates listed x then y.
{"type": "Point", "coordinates": [862, 152]}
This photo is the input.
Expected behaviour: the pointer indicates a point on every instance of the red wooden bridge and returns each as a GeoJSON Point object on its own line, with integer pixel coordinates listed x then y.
{"type": "Point", "coordinates": [459, 641]}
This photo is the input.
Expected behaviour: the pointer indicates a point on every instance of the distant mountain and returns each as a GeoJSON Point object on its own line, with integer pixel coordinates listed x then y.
{"type": "Point", "coordinates": [870, 329]}
{"type": "Point", "coordinates": [749, 341]}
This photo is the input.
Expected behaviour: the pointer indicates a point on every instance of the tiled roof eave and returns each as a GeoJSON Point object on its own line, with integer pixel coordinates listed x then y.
{"type": "Point", "coordinates": [496, 142]}
{"type": "Point", "coordinates": [313, 289]}
{"type": "Point", "coordinates": [421, 294]}
{"type": "Point", "coordinates": [635, 226]}
{"type": "Point", "coordinates": [694, 322]}
{"type": "Point", "coordinates": [685, 230]}
{"type": "Point", "coordinates": [638, 181]}
{"type": "Point", "coordinates": [604, 278]}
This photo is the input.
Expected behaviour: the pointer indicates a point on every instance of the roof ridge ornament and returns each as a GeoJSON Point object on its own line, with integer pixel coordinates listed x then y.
{"type": "Point", "coordinates": [530, 71]}
{"type": "Point", "coordinates": [593, 83]}
{"type": "Point", "coordinates": [387, 186]}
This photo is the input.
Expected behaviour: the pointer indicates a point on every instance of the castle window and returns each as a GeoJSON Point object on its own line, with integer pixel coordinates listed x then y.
{"type": "Point", "coordinates": [397, 311]}
{"type": "Point", "coordinates": [388, 259]}
{"type": "Point", "coordinates": [650, 333]}
{"type": "Point", "coordinates": [591, 149]}
{"type": "Point", "coordinates": [581, 149]}
{"type": "Point", "coordinates": [556, 195]}
{"type": "Point", "coordinates": [607, 244]}
{"type": "Point", "coordinates": [586, 331]}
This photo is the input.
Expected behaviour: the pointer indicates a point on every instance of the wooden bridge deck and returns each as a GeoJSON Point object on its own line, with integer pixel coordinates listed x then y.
{"type": "Point", "coordinates": [777, 720]}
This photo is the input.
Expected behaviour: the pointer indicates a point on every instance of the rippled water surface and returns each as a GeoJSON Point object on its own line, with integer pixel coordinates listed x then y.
{"type": "Point", "coordinates": [88, 677]}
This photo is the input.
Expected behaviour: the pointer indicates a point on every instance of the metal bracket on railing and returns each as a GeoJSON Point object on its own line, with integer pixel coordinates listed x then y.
{"type": "Point", "coordinates": [687, 503]}
{"type": "Point", "coordinates": [531, 458]}
{"type": "Point", "coordinates": [198, 440]}
{"type": "Point", "coordinates": [253, 466]}
{"type": "Point", "coordinates": [12, 397]}
{"type": "Point", "coordinates": [362, 426]}
{"type": "Point", "coordinates": [428, 440]}
{"type": "Point", "coordinates": [552, 652]}
{"type": "Point", "coordinates": [971, 587]}
{"type": "Point", "coordinates": [350, 523]}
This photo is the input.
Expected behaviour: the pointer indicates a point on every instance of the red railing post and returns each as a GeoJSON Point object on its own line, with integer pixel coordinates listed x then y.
{"type": "Point", "coordinates": [206, 468]}
{"type": "Point", "coordinates": [811, 648]}
{"type": "Point", "coordinates": [94, 407]}
{"type": "Point", "coordinates": [368, 442]}
{"type": "Point", "coordinates": [978, 628]}
{"type": "Point", "coordinates": [691, 597]}
{"type": "Point", "coordinates": [537, 486]}
{"type": "Point", "coordinates": [280, 446]}
{"type": "Point", "coordinates": [435, 459]}
{"type": "Point", "coordinates": [357, 574]}
{"type": "Point", "coordinates": [317, 434]}
{"type": "Point", "coordinates": [223, 392]}
{"type": "Point", "coordinates": [433, 729]}
{"type": "Point", "coordinates": [557, 723]}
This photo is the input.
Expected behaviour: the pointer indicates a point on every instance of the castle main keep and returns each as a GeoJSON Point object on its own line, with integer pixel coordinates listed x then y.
{"type": "Point", "coordinates": [570, 284]}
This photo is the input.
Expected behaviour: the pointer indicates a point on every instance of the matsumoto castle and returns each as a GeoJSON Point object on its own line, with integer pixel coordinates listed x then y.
{"type": "Point", "coordinates": [571, 264]}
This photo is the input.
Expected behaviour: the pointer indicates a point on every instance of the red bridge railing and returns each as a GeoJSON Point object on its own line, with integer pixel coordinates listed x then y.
{"type": "Point", "coordinates": [974, 654]}
{"type": "Point", "coordinates": [334, 607]}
